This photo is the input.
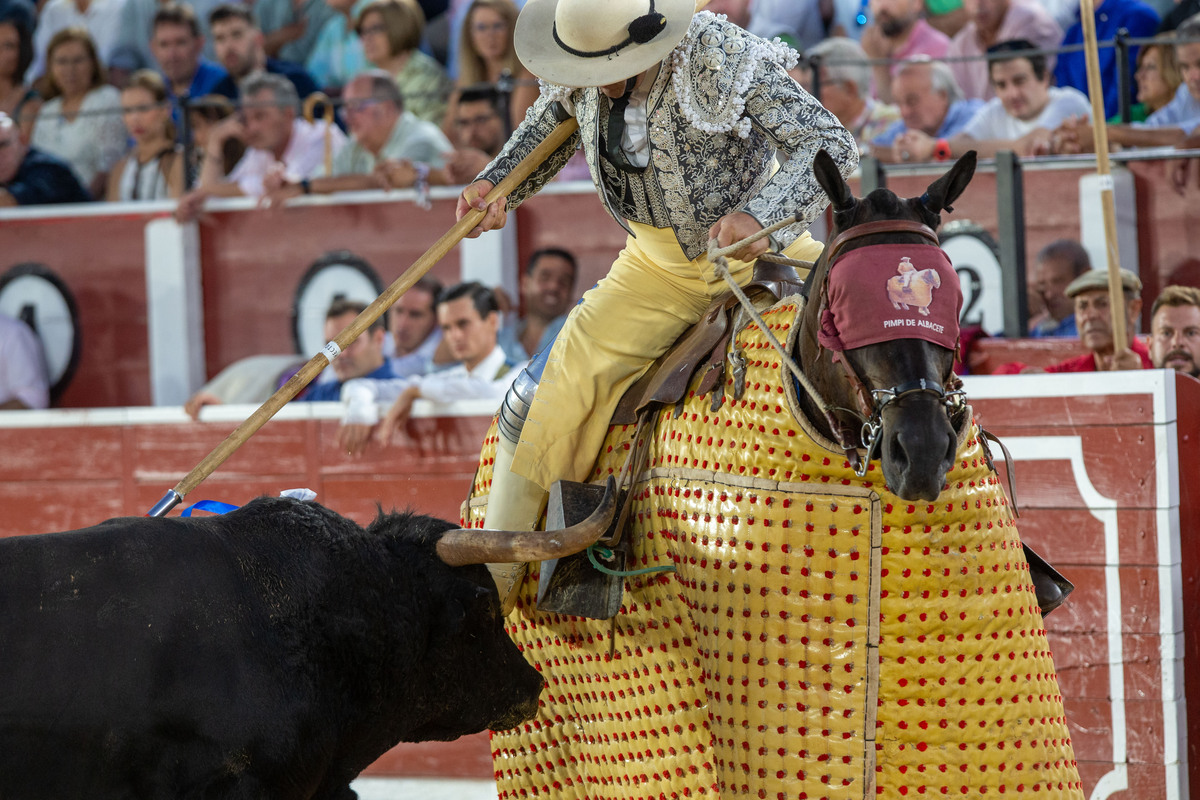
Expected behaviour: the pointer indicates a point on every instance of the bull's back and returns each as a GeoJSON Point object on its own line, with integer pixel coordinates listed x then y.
{"type": "Point", "coordinates": [121, 645]}
{"type": "Point", "coordinates": [118, 581]}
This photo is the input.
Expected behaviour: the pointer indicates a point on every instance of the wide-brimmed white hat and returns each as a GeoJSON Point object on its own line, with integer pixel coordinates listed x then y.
{"type": "Point", "coordinates": [598, 42]}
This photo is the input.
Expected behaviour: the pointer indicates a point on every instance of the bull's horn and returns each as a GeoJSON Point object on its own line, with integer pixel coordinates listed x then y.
{"type": "Point", "coordinates": [480, 546]}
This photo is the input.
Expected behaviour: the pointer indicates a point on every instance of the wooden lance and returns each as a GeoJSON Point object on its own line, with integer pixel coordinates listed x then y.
{"type": "Point", "coordinates": [361, 323]}
{"type": "Point", "coordinates": [1116, 292]}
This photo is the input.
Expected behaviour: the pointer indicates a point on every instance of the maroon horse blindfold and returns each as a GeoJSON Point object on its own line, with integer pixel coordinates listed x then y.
{"type": "Point", "coordinates": [891, 291]}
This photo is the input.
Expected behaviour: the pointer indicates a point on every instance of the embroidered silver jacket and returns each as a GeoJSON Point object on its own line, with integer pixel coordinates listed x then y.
{"type": "Point", "coordinates": [720, 107]}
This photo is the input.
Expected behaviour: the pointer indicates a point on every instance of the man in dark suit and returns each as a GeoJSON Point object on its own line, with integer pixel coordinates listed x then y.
{"type": "Point", "coordinates": [30, 177]}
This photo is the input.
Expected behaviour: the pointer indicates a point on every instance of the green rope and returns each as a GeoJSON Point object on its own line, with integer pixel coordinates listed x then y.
{"type": "Point", "coordinates": [606, 553]}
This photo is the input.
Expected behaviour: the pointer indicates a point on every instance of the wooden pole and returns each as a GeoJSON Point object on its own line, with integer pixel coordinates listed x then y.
{"type": "Point", "coordinates": [1116, 292]}
{"type": "Point", "coordinates": [360, 323]}
{"type": "Point", "coordinates": [310, 105]}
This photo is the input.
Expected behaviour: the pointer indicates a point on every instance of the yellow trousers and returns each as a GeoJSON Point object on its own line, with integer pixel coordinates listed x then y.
{"type": "Point", "coordinates": [651, 295]}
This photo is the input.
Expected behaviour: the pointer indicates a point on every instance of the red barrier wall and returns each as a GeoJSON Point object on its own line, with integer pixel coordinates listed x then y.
{"type": "Point", "coordinates": [251, 260]}
{"type": "Point", "coordinates": [1103, 487]}
{"type": "Point", "coordinates": [1101, 469]}
{"type": "Point", "coordinates": [66, 476]}
{"type": "Point", "coordinates": [102, 260]}
{"type": "Point", "coordinates": [1188, 437]}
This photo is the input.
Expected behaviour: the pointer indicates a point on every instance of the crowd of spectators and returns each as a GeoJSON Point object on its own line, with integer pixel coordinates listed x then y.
{"type": "Point", "coordinates": [464, 342]}
{"type": "Point", "coordinates": [468, 317]}
{"type": "Point", "coordinates": [914, 80]}
{"type": "Point", "coordinates": [1077, 309]}
{"type": "Point", "coordinates": [156, 99]}
{"type": "Point", "coordinates": [76, 82]}
{"type": "Point", "coordinates": [1010, 75]}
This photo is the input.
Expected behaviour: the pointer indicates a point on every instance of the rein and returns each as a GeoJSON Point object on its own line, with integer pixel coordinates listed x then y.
{"type": "Point", "coordinates": [869, 416]}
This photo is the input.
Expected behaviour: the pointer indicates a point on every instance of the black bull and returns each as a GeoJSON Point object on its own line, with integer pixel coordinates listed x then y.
{"type": "Point", "coordinates": [272, 652]}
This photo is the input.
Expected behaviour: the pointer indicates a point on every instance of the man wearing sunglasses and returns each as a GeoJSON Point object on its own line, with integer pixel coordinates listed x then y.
{"type": "Point", "coordinates": [390, 147]}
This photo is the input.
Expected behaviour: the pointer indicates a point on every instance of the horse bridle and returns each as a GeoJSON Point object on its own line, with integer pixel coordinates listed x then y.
{"type": "Point", "coordinates": [872, 403]}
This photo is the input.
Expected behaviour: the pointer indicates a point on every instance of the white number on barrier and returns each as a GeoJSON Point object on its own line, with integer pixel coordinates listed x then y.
{"type": "Point", "coordinates": [976, 259]}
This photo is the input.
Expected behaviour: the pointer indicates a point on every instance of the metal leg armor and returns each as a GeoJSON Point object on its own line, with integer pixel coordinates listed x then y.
{"type": "Point", "coordinates": [515, 408]}
{"type": "Point", "coordinates": [514, 502]}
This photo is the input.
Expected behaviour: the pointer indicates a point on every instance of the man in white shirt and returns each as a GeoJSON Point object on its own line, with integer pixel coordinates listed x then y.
{"type": "Point", "coordinates": [469, 318]}
{"type": "Point", "coordinates": [415, 333]}
{"type": "Point", "coordinates": [1021, 117]}
{"type": "Point", "coordinates": [23, 382]}
{"type": "Point", "coordinates": [995, 21]}
{"type": "Point", "coordinates": [277, 141]}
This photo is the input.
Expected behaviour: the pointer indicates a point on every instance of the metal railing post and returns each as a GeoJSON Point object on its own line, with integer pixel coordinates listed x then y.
{"type": "Point", "coordinates": [1010, 198]}
{"type": "Point", "coordinates": [185, 134]}
{"type": "Point", "coordinates": [1124, 95]}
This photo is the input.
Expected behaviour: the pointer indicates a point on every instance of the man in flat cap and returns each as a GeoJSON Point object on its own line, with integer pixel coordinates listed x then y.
{"type": "Point", "coordinates": [1093, 319]}
{"type": "Point", "coordinates": [680, 114]}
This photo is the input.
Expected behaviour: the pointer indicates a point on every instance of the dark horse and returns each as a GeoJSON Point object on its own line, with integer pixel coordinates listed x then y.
{"type": "Point", "coordinates": [787, 627]}
{"type": "Point", "coordinates": [900, 382]}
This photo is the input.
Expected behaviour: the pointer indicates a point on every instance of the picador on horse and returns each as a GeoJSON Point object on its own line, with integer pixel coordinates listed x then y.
{"type": "Point", "coordinates": [771, 615]}
{"type": "Point", "coordinates": [680, 117]}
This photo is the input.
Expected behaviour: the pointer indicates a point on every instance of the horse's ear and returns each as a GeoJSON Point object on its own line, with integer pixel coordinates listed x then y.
{"type": "Point", "coordinates": [830, 178]}
{"type": "Point", "coordinates": [946, 189]}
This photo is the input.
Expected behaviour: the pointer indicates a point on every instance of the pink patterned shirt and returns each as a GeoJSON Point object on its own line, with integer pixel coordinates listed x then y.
{"type": "Point", "coordinates": [925, 40]}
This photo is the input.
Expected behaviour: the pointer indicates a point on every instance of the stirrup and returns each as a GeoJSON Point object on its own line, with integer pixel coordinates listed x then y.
{"type": "Point", "coordinates": [573, 585]}
{"type": "Point", "coordinates": [1049, 585]}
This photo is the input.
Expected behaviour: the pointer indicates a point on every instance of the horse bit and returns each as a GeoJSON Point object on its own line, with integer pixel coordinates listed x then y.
{"type": "Point", "coordinates": [872, 426]}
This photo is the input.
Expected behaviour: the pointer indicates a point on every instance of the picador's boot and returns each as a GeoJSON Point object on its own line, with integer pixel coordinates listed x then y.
{"type": "Point", "coordinates": [514, 504]}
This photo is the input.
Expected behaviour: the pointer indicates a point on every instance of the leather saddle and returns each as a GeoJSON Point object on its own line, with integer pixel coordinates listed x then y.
{"type": "Point", "coordinates": [701, 349]}
{"type": "Point", "coordinates": [591, 584]}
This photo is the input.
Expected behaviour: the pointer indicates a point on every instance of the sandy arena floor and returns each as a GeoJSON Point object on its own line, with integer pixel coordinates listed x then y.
{"type": "Point", "coordinates": [423, 789]}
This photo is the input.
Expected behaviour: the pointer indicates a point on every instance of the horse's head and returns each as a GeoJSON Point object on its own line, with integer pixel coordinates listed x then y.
{"type": "Point", "coordinates": [895, 360]}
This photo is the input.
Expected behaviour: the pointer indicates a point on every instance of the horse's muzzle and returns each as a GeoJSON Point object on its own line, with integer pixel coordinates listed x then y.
{"type": "Point", "coordinates": [915, 462]}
